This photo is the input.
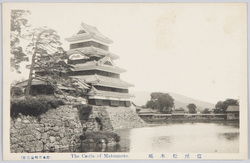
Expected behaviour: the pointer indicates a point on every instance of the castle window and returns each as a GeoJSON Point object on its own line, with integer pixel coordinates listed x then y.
{"type": "Point", "coordinates": [99, 102]}
{"type": "Point", "coordinates": [114, 103]}
{"type": "Point", "coordinates": [128, 103]}
{"type": "Point", "coordinates": [80, 45]}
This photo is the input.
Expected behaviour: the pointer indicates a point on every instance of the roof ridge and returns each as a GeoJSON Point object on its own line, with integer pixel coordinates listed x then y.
{"type": "Point", "coordinates": [103, 60]}
{"type": "Point", "coordinates": [82, 82]}
{"type": "Point", "coordinates": [96, 76]}
{"type": "Point", "coordinates": [84, 25]}
{"type": "Point", "coordinates": [91, 32]}
{"type": "Point", "coordinates": [80, 52]}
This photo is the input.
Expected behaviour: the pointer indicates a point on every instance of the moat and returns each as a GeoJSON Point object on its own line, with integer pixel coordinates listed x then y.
{"type": "Point", "coordinates": [182, 137]}
{"type": "Point", "coordinates": [179, 137]}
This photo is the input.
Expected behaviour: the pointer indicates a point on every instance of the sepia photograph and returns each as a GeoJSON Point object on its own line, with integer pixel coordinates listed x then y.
{"type": "Point", "coordinates": [124, 81]}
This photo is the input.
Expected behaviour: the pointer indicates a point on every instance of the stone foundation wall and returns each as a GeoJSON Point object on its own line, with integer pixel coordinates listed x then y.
{"type": "Point", "coordinates": [99, 120]}
{"type": "Point", "coordinates": [57, 130]}
{"type": "Point", "coordinates": [113, 118]}
{"type": "Point", "coordinates": [124, 117]}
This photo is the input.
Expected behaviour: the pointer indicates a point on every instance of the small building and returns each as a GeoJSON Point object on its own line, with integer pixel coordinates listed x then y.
{"type": "Point", "coordinates": [178, 113]}
{"type": "Point", "coordinates": [42, 86]}
{"type": "Point", "coordinates": [232, 112]}
{"type": "Point", "coordinates": [147, 113]}
{"type": "Point", "coordinates": [38, 87]}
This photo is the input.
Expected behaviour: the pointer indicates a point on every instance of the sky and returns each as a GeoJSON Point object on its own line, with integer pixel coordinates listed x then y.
{"type": "Point", "coordinates": [195, 49]}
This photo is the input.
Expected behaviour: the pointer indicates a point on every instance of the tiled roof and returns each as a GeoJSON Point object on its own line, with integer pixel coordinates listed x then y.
{"type": "Point", "coordinates": [37, 81]}
{"type": "Point", "coordinates": [89, 32]}
{"type": "Point", "coordinates": [92, 51]}
{"type": "Point", "coordinates": [147, 110]}
{"type": "Point", "coordinates": [110, 94]}
{"type": "Point", "coordinates": [85, 64]}
{"type": "Point", "coordinates": [179, 109]}
{"type": "Point", "coordinates": [90, 65]}
{"type": "Point", "coordinates": [231, 108]}
{"type": "Point", "coordinates": [34, 82]}
{"type": "Point", "coordinates": [104, 81]}
{"type": "Point", "coordinates": [94, 31]}
{"type": "Point", "coordinates": [65, 88]}
{"type": "Point", "coordinates": [82, 84]}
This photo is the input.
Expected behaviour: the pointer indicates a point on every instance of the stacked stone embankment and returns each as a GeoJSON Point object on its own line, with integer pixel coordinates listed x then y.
{"type": "Point", "coordinates": [107, 118]}
{"type": "Point", "coordinates": [57, 130]}
{"type": "Point", "coordinates": [98, 120]}
{"type": "Point", "coordinates": [124, 117]}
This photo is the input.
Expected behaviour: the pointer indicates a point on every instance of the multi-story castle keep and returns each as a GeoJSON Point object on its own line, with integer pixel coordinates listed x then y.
{"type": "Point", "coordinates": [93, 64]}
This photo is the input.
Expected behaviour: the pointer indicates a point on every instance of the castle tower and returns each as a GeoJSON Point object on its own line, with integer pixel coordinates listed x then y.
{"type": "Point", "coordinates": [93, 64]}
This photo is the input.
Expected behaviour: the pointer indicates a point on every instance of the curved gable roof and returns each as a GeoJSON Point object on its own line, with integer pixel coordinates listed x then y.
{"type": "Point", "coordinates": [86, 31]}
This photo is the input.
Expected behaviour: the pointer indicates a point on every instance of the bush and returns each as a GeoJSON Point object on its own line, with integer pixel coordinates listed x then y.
{"type": "Point", "coordinates": [50, 101]}
{"type": "Point", "coordinates": [33, 106]}
{"type": "Point", "coordinates": [84, 111]}
{"type": "Point", "coordinates": [16, 91]}
{"type": "Point", "coordinates": [102, 135]}
{"type": "Point", "coordinates": [61, 102]}
{"type": "Point", "coordinates": [28, 106]}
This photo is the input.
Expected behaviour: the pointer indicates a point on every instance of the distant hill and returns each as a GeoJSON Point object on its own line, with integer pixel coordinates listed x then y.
{"type": "Point", "coordinates": [180, 101]}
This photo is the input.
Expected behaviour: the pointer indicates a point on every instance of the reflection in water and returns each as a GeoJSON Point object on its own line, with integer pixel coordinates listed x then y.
{"type": "Point", "coordinates": [230, 136]}
{"type": "Point", "coordinates": [182, 137]}
{"type": "Point", "coordinates": [161, 139]}
{"type": "Point", "coordinates": [125, 135]}
{"type": "Point", "coordinates": [115, 148]}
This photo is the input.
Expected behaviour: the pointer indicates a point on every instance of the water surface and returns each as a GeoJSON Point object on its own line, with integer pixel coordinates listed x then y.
{"type": "Point", "coordinates": [181, 137]}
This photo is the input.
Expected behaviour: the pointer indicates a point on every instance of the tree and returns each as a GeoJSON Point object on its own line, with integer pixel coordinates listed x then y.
{"type": "Point", "coordinates": [16, 91]}
{"type": "Point", "coordinates": [151, 104]}
{"type": "Point", "coordinates": [192, 108]}
{"type": "Point", "coordinates": [218, 107]}
{"type": "Point", "coordinates": [17, 24]}
{"type": "Point", "coordinates": [43, 42]}
{"type": "Point", "coordinates": [161, 101]}
{"type": "Point", "coordinates": [222, 105]}
{"type": "Point", "coordinates": [206, 111]}
{"type": "Point", "coordinates": [45, 49]}
{"type": "Point", "coordinates": [216, 111]}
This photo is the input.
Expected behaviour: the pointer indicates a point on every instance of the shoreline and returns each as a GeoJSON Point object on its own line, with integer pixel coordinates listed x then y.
{"type": "Point", "coordinates": [167, 121]}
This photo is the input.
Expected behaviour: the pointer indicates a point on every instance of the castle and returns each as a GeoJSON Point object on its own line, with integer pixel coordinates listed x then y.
{"type": "Point", "coordinates": [92, 67]}
{"type": "Point", "coordinates": [93, 64]}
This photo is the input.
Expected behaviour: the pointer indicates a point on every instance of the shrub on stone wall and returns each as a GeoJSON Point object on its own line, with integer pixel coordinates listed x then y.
{"type": "Point", "coordinates": [27, 106]}
{"type": "Point", "coordinates": [84, 111]}
{"type": "Point", "coordinates": [33, 106]}
{"type": "Point", "coordinates": [50, 101]}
